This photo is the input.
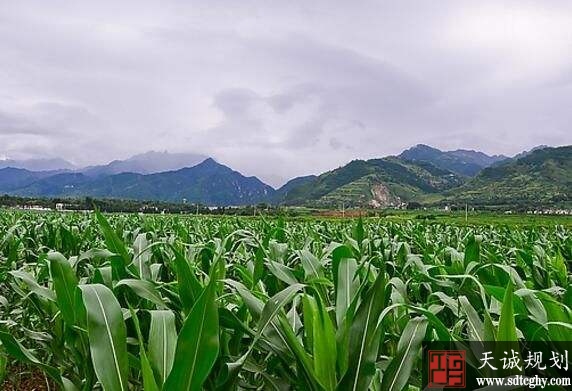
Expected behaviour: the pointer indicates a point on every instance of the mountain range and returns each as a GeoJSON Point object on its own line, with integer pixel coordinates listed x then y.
{"type": "Point", "coordinates": [461, 161]}
{"type": "Point", "coordinates": [208, 182]}
{"type": "Point", "coordinates": [55, 164]}
{"type": "Point", "coordinates": [151, 162]}
{"type": "Point", "coordinates": [542, 176]}
{"type": "Point", "coordinates": [421, 174]}
{"type": "Point", "coordinates": [377, 183]}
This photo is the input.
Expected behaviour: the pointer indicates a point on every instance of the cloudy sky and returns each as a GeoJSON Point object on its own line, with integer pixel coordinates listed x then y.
{"type": "Point", "coordinates": [282, 88]}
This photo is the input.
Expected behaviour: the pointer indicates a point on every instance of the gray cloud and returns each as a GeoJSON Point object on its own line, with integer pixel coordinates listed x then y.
{"type": "Point", "coordinates": [278, 89]}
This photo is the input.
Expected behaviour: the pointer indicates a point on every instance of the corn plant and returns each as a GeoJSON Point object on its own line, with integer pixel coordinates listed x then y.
{"type": "Point", "coordinates": [126, 302]}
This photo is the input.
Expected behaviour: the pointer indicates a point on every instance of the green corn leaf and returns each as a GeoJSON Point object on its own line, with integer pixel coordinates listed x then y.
{"type": "Point", "coordinates": [33, 285]}
{"type": "Point", "coordinates": [113, 242]}
{"type": "Point", "coordinates": [474, 323]}
{"type": "Point", "coordinates": [149, 383]}
{"type": "Point", "coordinates": [197, 344]}
{"type": "Point", "coordinates": [325, 354]}
{"type": "Point", "coordinates": [188, 285]}
{"type": "Point", "coordinates": [308, 310]}
{"type": "Point", "coordinates": [162, 343]}
{"type": "Point", "coordinates": [507, 326]}
{"type": "Point", "coordinates": [254, 304]}
{"type": "Point", "coordinates": [103, 275]}
{"type": "Point", "coordinates": [276, 304]}
{"type": "Point", "coordinates": [65, 284]}
{"type": "Point", "coordinates": [143, 289]}
{"type": "Point", "coordinates": [346, 287]}
{"type": "Point", "coordinates": [338, 253]}
{"type": "Point", "coordinates": [282, 272]}
{"type": "Point", "coordinates": [472, 249]}
{"type": "Point", "coordinates": [397, 375]}
{"type": "Point", "coordinates": [107, 336]}
{"type": "Point", "coordinates": [142, 256]}
{"type": "Point", "coordinates": [311, 264]}
{"type": "Point", "coordinates": [359, 232]}
{"type": "Point", "coordinates": [490, 332]}
{"type": "Point", "coordinates": [559, 269]}
{"type": "Point", "coordinates": [364, 338]}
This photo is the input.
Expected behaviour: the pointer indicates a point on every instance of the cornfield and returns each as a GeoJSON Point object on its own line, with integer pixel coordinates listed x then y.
{"type": "Point", "coordinates": [128, 302]}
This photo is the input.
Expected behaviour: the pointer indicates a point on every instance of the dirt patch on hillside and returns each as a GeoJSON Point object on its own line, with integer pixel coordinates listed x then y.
{"type": "Point", "coordinates": [382, 197]}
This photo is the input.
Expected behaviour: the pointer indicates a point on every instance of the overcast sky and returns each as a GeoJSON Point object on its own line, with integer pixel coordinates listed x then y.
{"type": "Point", "coordinates": [282, 88]}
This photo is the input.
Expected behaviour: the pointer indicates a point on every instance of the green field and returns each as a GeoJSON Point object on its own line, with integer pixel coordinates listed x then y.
{"type": "Point", "coordinates": [481, 218]}
{"type": "Point", "coordinates": [129, 302]}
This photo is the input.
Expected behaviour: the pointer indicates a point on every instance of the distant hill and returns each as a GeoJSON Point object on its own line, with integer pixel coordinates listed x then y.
{"type": "Point", "coordinates": [540, 178]}
{"type": "Point", "coordinates": [15, 178]}
{"type": "Point", "coordinates": [461, 161]}
{"type": "Point", "coordinates": [281, 193]}
{"type": "Point", "coordinates": [38, 164]}
{"type": "Point", "coordinates": [209, 183]}
{"type": "Point", "coordinates": [376, 183]}
{"type": "Point", "coordinates": [526, 153]}
{"type": "Point", "coordinates": [147, 163]}
{"type": "Point", "coordinates": [58, 185]}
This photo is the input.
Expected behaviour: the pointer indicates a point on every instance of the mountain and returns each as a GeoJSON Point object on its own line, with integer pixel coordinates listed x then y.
{"type": "Point", "coordinates": [57, 185]}
{"type": "Point", "coordinates": [540, 178]}
{"type": "Point", "coordinates": [461, 161]}
{"type": "Point", "coordinates": [38, 164]}
{"type": "Point", "coordinates": [147, 163]}
{"type": "Point", "coordinates": [526, 153]}
{"type": "Point", "coordinates": [281, 193]}
{"type": "Point", "coordinates": [15, 178]}
{"type": "Point", "coordinates": [377, 183]}
{"type": "Point", "coordinates": [209, 183]}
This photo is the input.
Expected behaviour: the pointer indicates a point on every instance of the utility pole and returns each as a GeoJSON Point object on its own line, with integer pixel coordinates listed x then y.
{"type": "Point", "coordinates": [466, 212]}
{"type": "Point", "coordinates": [343, 210]}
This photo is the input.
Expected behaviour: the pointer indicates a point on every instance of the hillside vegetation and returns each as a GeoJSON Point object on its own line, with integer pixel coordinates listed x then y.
{"type": "Point", "coordinates": [209, 183]}
{"type": "Point", "coordinates": [377, 183]}
{"type": "Point", "coordinates": [543, 177]}
{"type": "Point", "coordinates": [461, 161]}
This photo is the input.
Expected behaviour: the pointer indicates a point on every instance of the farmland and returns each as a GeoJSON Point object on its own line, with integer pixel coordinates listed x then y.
{"type": "Point", "coordinates": [128, 302]}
